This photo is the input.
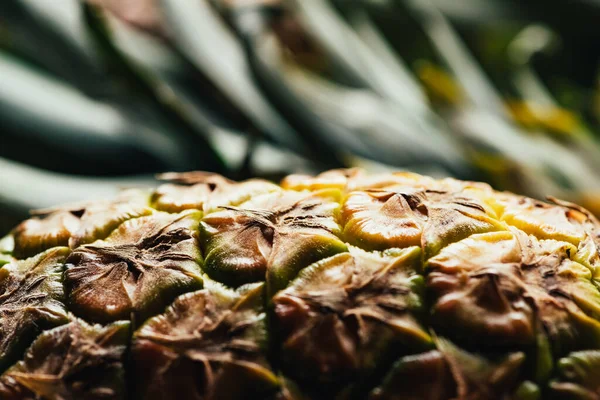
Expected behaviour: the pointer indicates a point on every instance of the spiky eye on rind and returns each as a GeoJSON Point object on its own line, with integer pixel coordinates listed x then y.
{"type": "Point", "coordinates": [506, 288]}
{"type": "Point", "coordinates": [73, 361]}
{"type": "Point", "coordinates": [346, 314]}
{"type": "Point", "coordinates": [31, 300]}
{"type": "Point", "coordinates": [478, 377]}
{"type": "Point", "coordinates": [205, 192]}
{"type": "Point", "coordinates": [545, 221]}
{"type": "Point", "coordinates": [138, 270]}
{"type": "Point", "coordinates": [97, 222]}
{"type": "Point", "coordinates": [272, 236]}
{"type": "Point", "coordinates": [381, 220]}
{"type": "Point", "coordinates": [77, 224]}
{"type": "Point", "coordinates": [408, 216]}
{"type": "Point", "coordinates": [38, 234]}
{"type": "Point", "coordinates": [208, 345]}
{"type": "Point", "coordinates": [450, 372]}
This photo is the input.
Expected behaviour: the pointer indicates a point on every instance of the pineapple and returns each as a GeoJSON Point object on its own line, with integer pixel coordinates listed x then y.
{"type": "Point", "coordinates": [338, 286]}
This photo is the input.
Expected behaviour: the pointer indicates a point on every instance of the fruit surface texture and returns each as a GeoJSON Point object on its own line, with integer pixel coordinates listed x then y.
{"type": "Point", "coordinates": [344, 285]}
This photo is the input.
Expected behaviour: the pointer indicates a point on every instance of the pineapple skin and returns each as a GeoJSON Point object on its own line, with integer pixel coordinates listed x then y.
{"type": "Point", "coordinates": [343, 285]}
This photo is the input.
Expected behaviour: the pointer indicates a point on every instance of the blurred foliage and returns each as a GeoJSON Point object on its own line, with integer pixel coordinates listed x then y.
{"type": "Point", "coordinates": [97, 95]}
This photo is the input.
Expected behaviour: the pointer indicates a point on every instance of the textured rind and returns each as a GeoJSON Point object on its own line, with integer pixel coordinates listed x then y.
{"type": "Point", "coordinates": [345, 315]}
{"type": "Point", "coordinates": [31, 300]}
{"type": "Point", "coordinates": [340, 286]}
{"type": "Point", "coordinates": [77, 224]}
{"type": "Point", "coordinates": [505, 289]}
{"type": "Point", "coordinates": [71, 362]}
{"type": "Point", "coordinates": [202, 344]}
{"type": "Point", "coordinates": [139, 269]}
{"type": "Point", "coordinates": [206, 192]}
{"type": "Point", "coordinates": [424, 376]}
{"type": "Point", "coordinates": [271, 237]}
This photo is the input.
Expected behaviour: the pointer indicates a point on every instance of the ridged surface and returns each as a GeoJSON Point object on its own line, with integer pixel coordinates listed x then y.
{"type": "Point", "coordinates": [344, 285]}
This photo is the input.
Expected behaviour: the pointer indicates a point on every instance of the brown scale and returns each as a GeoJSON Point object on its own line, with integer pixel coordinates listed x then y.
{"type": "Point", "coordinates": [506, 288]}
{"type": "Point", "coordinates": [204, 191]}
{"type": "Point", "coordinates": [344, 315]}
{"type": "Point", "coordinates": [72, 362]}
{"type": "Point", "coordinates": [208, 345]}
{"type": "Point", "coordinates": [31, 300]}
{"type": "Point", "coordinates": [76, 224]}
{"type": "Point", "coordinates": [139, 269]}
{"type": "Point", "coordinates": [378, 219]}
{"type": "Point", "coordinates": [272, 236]}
